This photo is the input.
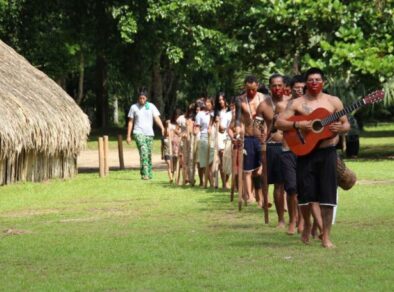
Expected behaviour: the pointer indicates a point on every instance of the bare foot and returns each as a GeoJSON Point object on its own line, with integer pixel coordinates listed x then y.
{"type": "Point", "coordinates": [281, 224]}
{"type": "Point", "coordinates": [251, 200]}
{"type": "Point", "coordinates": [292, 229]}
{"type": "Point", "coordinates": [327, 244]}
{"type": "Point", "coordinates": [305, 234]}
{"type": "Point", "coordinates": [300, 228]}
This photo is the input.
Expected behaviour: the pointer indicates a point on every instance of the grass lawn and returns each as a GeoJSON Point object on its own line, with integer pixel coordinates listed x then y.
{"type": "Point", "coordinates": [123, 234]}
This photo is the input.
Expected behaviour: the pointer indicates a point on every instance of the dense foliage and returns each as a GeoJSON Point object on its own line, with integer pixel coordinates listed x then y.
{"type": "Point", "coordinates": [101, 52]}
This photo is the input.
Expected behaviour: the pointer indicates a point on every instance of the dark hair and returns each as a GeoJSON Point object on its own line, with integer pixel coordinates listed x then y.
{"type": "Point", "coordinates": [143, 91]}
{"type": "Point", "coordinates": [263, 89]}
{"type": "Point", "coordinates": [297, 79]}
{"type": "Point", "coordinates": [217, 104]}
{"type": "Point", "coordinates": [250, 79]}
{"type": "Point", "coordinates": [314, 70]}
{"type": "Point", "coordinates": [175, 115]}
{"type": "Point", "coordinates": [286, 80]}
{"type": "Point", "coordinates": [274, 76]}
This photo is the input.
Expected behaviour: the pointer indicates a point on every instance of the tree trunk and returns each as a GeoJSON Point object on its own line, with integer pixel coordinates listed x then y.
{"type": "Point", "coordinates": [102, 105]}
{"type": "Point", "coordinates": [116, 111]}
{"type": "Point", "coordinates": [296, 63]}
{"type": "Point", "coordinates": [157, 85]}
{"type": "Point", "coordinates": [81, 77]}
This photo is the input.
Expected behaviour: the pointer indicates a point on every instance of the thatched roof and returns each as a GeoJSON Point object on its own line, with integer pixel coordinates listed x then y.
{"type": "Point", "coordinates": [35, 113]}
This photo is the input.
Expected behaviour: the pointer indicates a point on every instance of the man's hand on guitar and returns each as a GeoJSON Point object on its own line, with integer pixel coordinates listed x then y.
{"type": "Point", "coordinates": [336, 127]}
{"type": "Point", "coordinates": [304, 125]}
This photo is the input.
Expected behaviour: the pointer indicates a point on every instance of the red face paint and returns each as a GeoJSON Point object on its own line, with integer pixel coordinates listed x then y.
{"type": "Point", "coordinates": [314, 88]}
{"type": "Point", "coordinates": [251, 93]}
{"type": "Point", "coordinates": [277, 91]}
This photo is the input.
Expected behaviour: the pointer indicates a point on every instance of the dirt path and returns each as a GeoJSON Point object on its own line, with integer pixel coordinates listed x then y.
{"type": "Point", "coordinates": [88, 160]}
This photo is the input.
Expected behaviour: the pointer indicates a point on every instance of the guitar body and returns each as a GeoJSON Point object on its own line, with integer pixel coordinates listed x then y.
{"type": "Point", "coordinates": [303, 142]}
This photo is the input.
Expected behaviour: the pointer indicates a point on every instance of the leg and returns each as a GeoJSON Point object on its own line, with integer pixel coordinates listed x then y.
{"type": "Point", "coordinates": [292, 205]}
{"type": "Point", "coordinates": [248, 185]}
{"type": "Point", "coordinates": [169, 171]}
{"type": "Point", "coordinates": [306, 214]}
{"type": "Point", "coordinates": [142, 149]}
{"type": "Point", "coordinates": [317, 218]}
{"type": "Point", "coordinates": [327, 213]}
{"type": "Point", "coordinates": [148, 142]}
{"type": "Point", "coordinates": [279, 204]}
{"type": "Point", "coordinates": [300, 220]}
{"type": "Point", "coordinates": [258, 188]}
{"type": "Point", "coordinates": [201, 172]}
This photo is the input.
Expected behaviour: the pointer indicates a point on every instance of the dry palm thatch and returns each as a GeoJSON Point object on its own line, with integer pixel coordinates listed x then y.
{"type": "Point", "coordinates": [42, 129]}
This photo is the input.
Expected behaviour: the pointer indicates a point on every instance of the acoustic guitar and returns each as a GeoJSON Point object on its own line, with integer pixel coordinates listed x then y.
{"type": "Point", "coordinates": [303, 142]}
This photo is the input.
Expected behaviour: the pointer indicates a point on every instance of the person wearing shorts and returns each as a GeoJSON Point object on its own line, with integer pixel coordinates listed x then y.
{"type": "Point", "coordinates": [316, 171]}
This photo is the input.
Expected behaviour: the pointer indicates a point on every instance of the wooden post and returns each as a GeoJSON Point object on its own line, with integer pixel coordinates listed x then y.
{"type": "Point", "coordinates": [106, 158]}
{"type": "Point", "coordinates": [120, 151]}
{"type": "Point", "coordinates": [193, 160]}
{"type": "Point", "coordinates": [101, 156]}
{"type": "Point", "coordinates": [265, 182]}
{"type": "Point", "coordinates": [240, 172]}
{"type": "Point", "coordinates": [207, 174]}
{"type": "Point", "coordinates": [170, 133]}
{"type": "Point", "coordinates": [234, 170]}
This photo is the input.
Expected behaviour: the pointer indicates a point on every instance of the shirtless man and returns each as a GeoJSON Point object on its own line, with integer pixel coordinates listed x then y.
{"type": "Point", "coordinates": [274, 151]}
{"type": "Point", "coordinates": [245, 115]}
{"type": "Point", "coordinates": [316, 171]}
{"type": "Point", "coordinates": [288, 162]}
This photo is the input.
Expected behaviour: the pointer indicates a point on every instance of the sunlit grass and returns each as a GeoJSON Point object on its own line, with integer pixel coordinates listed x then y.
{"type": "Point", "coordinates": [122, 233]}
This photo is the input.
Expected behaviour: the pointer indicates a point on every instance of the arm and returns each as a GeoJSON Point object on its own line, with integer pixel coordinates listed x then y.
{"type": "Point", "coordinates": [159, 123]}
{"type": "Point", "coordinates": [283, 124]}
{"type": "Point", "coordinates": [342, 126]}
{"type": "Point", "coordinates": [129, 128]}
{"type": "Point", "coordinates": [238, 115]}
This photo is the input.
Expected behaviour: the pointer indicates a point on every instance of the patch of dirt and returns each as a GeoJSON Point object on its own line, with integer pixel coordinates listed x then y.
{"type": "Point", "coordinates": [29, 212]}
{"type": "Point", "coordinates": [88, 159]}
{"type": "Point", "coordinates": [16, 232]}
{"type": "Point", "coordinates": [77, 220]}
{"type": "Point", "coordinates": [375, 182]}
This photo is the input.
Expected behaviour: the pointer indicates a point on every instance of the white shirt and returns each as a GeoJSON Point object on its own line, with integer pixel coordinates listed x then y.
{"type": "Point", "coordinates": [181, 122]}
{"type": "Point", "coordinates": [142, 116]}
{"type": "Point", "coordinates": [225, 119]}
{"type": "Point", "coordinates": [203, 119]}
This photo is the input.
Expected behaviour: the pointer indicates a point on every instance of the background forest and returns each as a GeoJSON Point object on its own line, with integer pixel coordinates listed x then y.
{"type": "Point", "coordinates": [102, 52]}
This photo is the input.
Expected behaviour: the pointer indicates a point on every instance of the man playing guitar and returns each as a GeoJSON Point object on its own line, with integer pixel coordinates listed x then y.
{"type": "Point", "coordinates": [316, 171]}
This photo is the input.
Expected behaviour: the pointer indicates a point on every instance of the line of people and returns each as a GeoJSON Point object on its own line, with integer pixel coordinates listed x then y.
{"type": "Point", "coordinates": [205, 138]}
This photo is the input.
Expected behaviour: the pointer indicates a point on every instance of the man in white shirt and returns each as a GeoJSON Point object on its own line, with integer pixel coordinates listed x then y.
{"type": "Point", "coordinates": [141, 117]}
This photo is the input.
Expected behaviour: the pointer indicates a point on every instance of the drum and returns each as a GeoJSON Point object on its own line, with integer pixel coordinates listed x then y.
{"type": "Point", "coordinates": [346, 178]}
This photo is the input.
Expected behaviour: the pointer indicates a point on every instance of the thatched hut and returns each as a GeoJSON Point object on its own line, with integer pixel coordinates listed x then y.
{"type": "Point", "coordinates": [42, 129]}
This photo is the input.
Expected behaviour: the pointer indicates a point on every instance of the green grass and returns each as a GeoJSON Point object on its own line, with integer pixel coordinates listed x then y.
{"type": "Point", "coordinates": [120, 233]}
{"type": "Point", "coordinates": [377, 142]}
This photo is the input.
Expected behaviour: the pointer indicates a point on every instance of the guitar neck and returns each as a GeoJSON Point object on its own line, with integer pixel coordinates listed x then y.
{"type": "Point", "coordinates": [335, 116]}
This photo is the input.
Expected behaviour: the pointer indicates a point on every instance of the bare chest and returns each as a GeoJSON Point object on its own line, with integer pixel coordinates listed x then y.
{"type": "Point", "coordinates": [307, 107]}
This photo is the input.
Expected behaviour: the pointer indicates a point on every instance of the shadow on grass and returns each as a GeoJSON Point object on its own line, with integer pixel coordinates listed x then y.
{"type": "Point", "coordinates": [377, 134]}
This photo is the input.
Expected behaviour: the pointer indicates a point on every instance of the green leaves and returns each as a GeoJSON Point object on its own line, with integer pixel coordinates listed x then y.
{"type": "Point", "coordinates": [127, 23]}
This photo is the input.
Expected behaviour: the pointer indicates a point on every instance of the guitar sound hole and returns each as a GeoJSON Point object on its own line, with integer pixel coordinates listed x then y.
{"type": "Point", "coordinates": [317, 126]}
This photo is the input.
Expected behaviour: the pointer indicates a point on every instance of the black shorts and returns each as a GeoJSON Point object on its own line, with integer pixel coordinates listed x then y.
{"type": "Point", "coordinates": [252, 158]}
{"type": "Point", "coordinates": [274, 169]}
{"type": "Point", "coordinates": [289, 163]}
{"type": "Point", "coordinates": [317, 177]}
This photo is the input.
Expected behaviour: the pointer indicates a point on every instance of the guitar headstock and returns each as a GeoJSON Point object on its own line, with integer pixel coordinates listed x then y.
{"type": "Point", "coordinates": [373, 97]}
